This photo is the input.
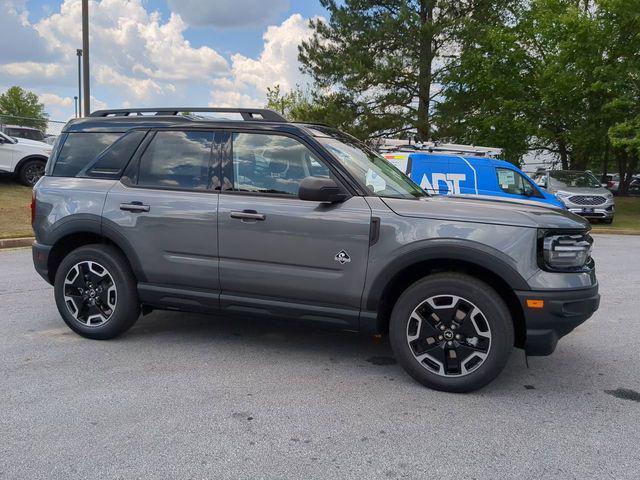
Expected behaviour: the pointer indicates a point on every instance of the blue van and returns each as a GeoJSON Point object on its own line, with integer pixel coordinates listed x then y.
{"type": "Point", "coordinates": [449, 174]}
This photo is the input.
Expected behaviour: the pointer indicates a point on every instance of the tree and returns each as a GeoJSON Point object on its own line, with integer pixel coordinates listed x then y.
{"type": "Point", "coordinates": [17, 102]}
{"type": "Point", "coordinates": [386, 58]}
{"type": "Point", "coordinates": [549, 78]}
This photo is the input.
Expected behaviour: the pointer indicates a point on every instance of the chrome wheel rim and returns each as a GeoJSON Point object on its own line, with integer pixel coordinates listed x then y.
{"type": "Point", "coordinates": [448, 335]}
{"type": "Point", "coordinates": [90, 293]}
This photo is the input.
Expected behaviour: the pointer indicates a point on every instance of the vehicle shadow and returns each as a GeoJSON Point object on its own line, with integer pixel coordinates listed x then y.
{"type": "Point", "coordinates": [288, 342]}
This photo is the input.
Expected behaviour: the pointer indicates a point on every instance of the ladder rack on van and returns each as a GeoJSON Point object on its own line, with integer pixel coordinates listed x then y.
{"type": "Point", "coordinates": [247, 114]}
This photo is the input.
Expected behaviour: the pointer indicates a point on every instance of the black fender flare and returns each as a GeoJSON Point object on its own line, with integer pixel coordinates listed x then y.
{"type": "Point", "coordinates": [90, 223]}
{"type": "Point", "coordinates": [467, 251]}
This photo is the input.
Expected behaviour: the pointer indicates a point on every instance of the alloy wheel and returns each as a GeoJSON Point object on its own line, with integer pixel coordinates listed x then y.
{"type": "Point", "coordinates": [90, 293]}
{"type": "Point", "coordinates": [448, 335]}
{"type": "Point", "coordinates": [33, 172]}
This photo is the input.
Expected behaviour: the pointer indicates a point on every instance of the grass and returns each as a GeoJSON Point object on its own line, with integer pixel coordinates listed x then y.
{"type": "Point", "coordinates": [627, 216]}
{"type": "Point", "coordinates": [15, 213]}
{"type": "Point", "coordinates": [15, 216]}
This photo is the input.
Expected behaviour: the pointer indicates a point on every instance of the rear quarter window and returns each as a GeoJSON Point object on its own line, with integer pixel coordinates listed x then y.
{"type": "Point", "coordinates": [79, 150]}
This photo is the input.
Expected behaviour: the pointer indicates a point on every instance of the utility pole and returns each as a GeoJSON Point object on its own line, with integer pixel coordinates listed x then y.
{"type": "Point", "coordinates": [85, 57]}
{"type": "Point", "coordinates": [75, 101]}
{"type": "Point", "coordinates": [79, 97]}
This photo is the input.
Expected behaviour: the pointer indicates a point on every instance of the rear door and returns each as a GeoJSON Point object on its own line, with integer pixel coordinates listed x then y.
{"type": "Point", "coordinates": [280, 254]}
{"type": "Point", "coordinates": [165, 209]}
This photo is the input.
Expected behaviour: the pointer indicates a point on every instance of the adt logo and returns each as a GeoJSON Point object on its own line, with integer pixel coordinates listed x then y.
{"type": "Point", "coordinates": [450, 180]}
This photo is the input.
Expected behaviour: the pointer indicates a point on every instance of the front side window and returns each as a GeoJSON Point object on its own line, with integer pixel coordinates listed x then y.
{"type": "Point", "coordinates": [513, 182]}
{"type": "Point", "coordinates": [272, 164]}
{"type": "Point", "coordinates": [180, 160]}
{"type": "Point", "coordinates": [79, 150]}
{"type": "Point", "coordinates": [377, 174]}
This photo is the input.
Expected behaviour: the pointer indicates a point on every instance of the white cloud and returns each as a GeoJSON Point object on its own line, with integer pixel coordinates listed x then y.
{"type": "Point", "coordinates": [278, 62]}
{"type": "Point", "coordinates": [31, 69]}
{"type": "Point", "coordinates": [139, 59]}
{"type": "Point", "coordinates": [51, 100]}
{"type": "Point", "coordinates": [229, 13]}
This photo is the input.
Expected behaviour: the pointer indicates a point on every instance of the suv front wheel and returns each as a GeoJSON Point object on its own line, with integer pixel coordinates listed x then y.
{"type": "Point", "coordinates": [96, 293]}
{"type": "Point", "coordinates": [451, 332]}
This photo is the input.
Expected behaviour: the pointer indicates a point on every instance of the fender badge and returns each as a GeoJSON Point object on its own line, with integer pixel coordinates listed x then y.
{"type": "Point", "coordinates": [342, 257]}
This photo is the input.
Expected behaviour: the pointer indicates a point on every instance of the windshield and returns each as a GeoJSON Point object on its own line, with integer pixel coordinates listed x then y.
{"type": "Point", "coordinates": [565, 178]}
{"type": "Point", "coordinates": [380, 177]}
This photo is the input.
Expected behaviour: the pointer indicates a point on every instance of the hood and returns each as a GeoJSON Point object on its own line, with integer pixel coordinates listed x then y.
{"type": "Point", "coordinates": [582, 190]}
{"type": "Point", "coordinates": [549, 200]}
{"type": "Point", "coordinates": [32, 143]}
{"type": "Point", "coordinates": [481, 210]}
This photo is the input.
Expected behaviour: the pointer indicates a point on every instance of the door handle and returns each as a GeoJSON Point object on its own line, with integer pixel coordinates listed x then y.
{"type": "Point", "coordinates": [248, 215]}
{"type": "Point", "coordinates": [134, 207]}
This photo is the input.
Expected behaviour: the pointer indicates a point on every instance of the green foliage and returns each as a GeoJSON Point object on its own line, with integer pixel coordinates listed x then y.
{"type": "Point", "coordinates": [554, 77]}
{"type": "Point", "coordinates": [385, 58]}
{"type": "Point", "coordinates": [17, 102]}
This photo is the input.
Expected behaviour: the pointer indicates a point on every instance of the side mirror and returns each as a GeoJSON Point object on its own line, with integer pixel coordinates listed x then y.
{"type": "Point", "coordinates": [319, 189]}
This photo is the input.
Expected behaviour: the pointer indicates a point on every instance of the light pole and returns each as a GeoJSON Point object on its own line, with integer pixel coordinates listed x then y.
{"type": "Point", "coordinates": [75, 102]}
{"type": "Point", "coordinates": [79, 97]}
{"type": "Point", "coordinates": [85, 57]}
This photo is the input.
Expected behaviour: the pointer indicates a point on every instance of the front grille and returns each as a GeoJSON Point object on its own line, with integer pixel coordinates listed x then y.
{"type": "Point", "coordinates": [587, 200]}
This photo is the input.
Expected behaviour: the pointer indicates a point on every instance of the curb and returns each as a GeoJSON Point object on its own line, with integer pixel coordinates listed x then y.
{"type": "Point", "coordinates": [612, 231]}
{"type": "Point", "coordinates": [16, 242]}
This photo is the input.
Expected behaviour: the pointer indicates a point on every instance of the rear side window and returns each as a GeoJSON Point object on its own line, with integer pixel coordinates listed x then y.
{"type": "Point", "coordinates": [178, 159]}
{"type": "Point", "coordinates": [112, 161]}
{"type": "Point", "coordinates": [79, 150]}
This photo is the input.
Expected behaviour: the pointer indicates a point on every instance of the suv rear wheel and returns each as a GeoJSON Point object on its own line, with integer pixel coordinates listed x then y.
{"type": "Point", "coordinates": [95, 292]}
{"type": "Point", "coordinates": [31, 171]}
{"type": "Point", "coordinates": [451, 332]}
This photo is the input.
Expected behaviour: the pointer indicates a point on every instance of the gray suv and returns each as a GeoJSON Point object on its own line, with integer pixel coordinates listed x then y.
{"type": "Point", "coordinates": [580, 192]}
{"type": "Point", "coordinates": [259, 216]}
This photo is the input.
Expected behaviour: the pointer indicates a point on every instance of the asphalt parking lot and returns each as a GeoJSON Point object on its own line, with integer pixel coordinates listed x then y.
{"type": "Point", "coordinates": [189, 396]}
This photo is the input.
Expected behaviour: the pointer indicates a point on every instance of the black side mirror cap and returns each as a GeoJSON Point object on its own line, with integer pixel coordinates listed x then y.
{"type": "Point", "coordinates": [320, 189]}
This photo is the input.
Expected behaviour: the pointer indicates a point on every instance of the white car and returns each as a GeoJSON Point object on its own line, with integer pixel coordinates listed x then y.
{"type": "Point", "coordinates": [24, 158]}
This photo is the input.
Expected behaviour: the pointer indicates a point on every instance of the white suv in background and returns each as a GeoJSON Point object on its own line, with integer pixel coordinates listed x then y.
{"type": "Point", "coordinates": [24, 158]}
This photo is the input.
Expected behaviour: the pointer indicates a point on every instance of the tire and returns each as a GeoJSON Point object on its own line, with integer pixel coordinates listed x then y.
{"type": "Point", "coordinates": [99, 274]}
{"type": "Point", "coordinates": [31, 171]}
{"type": "Point", "coordinates": [477, 327]}
{"type": "Point", "coordinates": [607, 221]}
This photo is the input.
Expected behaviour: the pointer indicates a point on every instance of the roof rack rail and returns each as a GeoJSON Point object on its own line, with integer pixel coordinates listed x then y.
{"type": "Point", "coordinates": [247, 114]}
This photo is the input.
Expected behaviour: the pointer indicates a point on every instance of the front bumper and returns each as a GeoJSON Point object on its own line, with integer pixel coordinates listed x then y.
{"type": "Point", "coordinates": [563, 311]}
{"type": "Point", "coordinates": [40, 254]}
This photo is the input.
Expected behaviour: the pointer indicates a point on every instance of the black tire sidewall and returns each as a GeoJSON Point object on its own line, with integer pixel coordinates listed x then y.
{"type": "Point", "coordinates": [477, 292]}
{"type": "Point", "coordinates": [127, 308]}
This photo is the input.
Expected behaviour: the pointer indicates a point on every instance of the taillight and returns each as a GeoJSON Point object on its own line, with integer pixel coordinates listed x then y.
{"type": "Point", "coordinates": [33, 206]}
{"type": "Point", "coordinates": [610, 184]}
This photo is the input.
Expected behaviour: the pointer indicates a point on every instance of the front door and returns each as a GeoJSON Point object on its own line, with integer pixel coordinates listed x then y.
{"type": "Point", "coordinates": [280, 254]}
{"type": "Point", "coordinates": [167, 213]}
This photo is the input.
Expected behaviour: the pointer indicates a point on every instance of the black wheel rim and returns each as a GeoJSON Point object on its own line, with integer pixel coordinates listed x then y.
{"type": "Point", "coordinates": [33, 172]}
{"type": "Point", "coordinates": [90, 293]}
{"type": "Point", "coordinates": [449, 336]}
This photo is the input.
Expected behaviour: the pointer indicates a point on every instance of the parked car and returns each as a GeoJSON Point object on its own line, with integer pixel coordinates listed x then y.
{"type": "Point", "coordinates": [261, 216]}
{"type": "Point", "coordinates": [611, 181]}
{"type": "Point", "coordinates": [24, 158]}
{"type": "Point", "coordinates": [580, 192]}
{"type": "Point", "coordinates": [18, 131]}
{"type": "Point", "coordinates": [446, 174]}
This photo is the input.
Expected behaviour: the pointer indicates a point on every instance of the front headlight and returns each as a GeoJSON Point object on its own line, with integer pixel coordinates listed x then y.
{"type": "Point", "coordinates": [566, 252]}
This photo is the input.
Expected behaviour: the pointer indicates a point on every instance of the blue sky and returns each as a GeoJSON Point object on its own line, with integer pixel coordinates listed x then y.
{"type": "Point", "coordinates": [155, 52]}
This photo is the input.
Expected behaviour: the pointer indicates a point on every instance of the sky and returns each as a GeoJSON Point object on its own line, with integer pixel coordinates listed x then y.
{"type": "Point", "coordinates": [155, 52]}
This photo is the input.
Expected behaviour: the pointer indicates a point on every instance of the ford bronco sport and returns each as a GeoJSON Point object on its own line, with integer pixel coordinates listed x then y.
{"type": "Point", "coordinates": [141, 210]}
